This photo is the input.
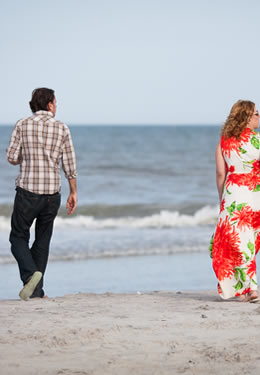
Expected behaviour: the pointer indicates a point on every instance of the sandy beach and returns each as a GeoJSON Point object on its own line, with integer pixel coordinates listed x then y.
{"type": "Point", "coordinates": [156, 333]}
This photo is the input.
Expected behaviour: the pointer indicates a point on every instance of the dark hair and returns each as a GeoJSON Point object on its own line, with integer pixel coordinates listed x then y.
{"type": "Point", "coordinates": [40, 99]}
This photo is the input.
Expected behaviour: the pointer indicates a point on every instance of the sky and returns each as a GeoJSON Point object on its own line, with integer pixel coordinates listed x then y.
{"type": "Point", "coordinates": [130, 62]}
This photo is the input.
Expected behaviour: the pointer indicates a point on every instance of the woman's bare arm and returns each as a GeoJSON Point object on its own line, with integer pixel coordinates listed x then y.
{"type": "Point", "coordinates": [221, 171]}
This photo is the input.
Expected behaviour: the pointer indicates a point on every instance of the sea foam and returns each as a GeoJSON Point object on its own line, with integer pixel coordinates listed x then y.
{"type": "Point", "coordinates": [164, 219]}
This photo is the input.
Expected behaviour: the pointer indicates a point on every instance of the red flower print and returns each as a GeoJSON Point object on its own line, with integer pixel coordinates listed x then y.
{"type": "Point", "coordinates": [222, 205]}
{"type": "Point", "coordinates": [244, 217]}
{"type": "Point", "coordinates": [244, 179]}
{"type": "Point", "coordinates": [251, 268]}
{"type": "Point", "coordinates": [252, 180]}
{"type": "Point", "coordinates": [236, 178]}
{"type": "Point", "coordinates": [245, 291]}
{"type": "Point", "coordinates": [257, 243]}
{"type": "Point", "coordinates": [256, 166]}
{"type": "Point", "coordinates": [226, 253]}
{"type": "Point", "coordinates": [256, 221]}
{"type": "Point", "coordinates": [228, 145]}
{"type": "Point", "coordinates": [231, 169]}
{"type": "Point", "coordinates": [246, 134]}
{"type": "Point", "coordinates": [233, 144]}
{"type": "Point", "coordinates": [219, 289]}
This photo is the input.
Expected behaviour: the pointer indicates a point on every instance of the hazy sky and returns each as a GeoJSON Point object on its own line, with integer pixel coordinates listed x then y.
{"type": "Point", "coordinates": [130, 61]}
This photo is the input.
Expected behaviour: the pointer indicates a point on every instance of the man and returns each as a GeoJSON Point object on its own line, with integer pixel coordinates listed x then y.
{"type": "Point", "coordinates": [38, 143]}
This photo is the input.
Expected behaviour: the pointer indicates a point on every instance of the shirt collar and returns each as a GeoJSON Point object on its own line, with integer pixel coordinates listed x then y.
{"type": "Point", "coordinates": [46, 113]}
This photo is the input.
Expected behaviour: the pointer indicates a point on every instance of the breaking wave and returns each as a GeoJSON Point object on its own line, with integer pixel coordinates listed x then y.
{"type": "Point", "coordinates": [163, 219]}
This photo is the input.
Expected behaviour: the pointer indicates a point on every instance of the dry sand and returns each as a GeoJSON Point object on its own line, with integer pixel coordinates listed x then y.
{"type": "Point", "coordinates": [157, 333]}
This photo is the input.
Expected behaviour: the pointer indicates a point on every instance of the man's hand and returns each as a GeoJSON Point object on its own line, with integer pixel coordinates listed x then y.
{"type": "Point", "coordinates": [14, 162]}
{"type": "Point", "coordinates": [71, 203]}
{"type": "Point", "coordinates": [72, 200]}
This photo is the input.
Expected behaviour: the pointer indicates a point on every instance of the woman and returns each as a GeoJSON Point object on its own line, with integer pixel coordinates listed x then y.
{"type": "Point", "coordinates": [236, 240]}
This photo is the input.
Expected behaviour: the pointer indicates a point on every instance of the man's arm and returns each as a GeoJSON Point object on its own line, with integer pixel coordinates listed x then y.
{"type": "Point", "coordinates": [69, 167]}
{"type": "Point", "coordinates": [13, 150]}
{"type": "Point", "coordinates": [72, 199]}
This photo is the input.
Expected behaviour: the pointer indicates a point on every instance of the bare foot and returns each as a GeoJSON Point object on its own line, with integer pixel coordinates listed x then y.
{"type": "Point", "coordinates": [241, 298]}
{"type": "Point", "coordinates": [251, 296]}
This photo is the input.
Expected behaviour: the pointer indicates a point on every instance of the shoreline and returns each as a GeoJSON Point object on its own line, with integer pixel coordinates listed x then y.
{"type": "Point", "coordinates": [150, 333]}
{"type": "Point", "coordinates": [171, 273]}
{"type": "Point", "coordinates": [118, 275]}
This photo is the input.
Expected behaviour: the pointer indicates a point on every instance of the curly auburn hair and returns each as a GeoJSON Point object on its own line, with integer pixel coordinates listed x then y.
{"type": "Point", "coordinates": [238, 119]}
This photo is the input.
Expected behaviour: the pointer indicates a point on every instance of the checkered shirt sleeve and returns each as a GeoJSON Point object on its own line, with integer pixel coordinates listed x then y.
{"type": "Point", "coordinates": [14, 148]}
{"type": "Point", "coordinates": [68, 157]}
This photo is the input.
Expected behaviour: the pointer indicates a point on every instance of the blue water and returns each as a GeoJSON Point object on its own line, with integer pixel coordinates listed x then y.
{"type": "Point", "coordinates": [145, 165]}
{"type": "Point", "coordinates": [119, 275]}
{"type": "Point", "coordinates": [144, 193]}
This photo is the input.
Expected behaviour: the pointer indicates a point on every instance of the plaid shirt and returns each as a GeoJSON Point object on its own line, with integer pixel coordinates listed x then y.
{"type": "Point", "coordinates": [39, 143]}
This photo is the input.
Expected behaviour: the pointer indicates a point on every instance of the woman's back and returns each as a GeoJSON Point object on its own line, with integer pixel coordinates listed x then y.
{"type": "Point", "coordinates": [242, 160]}
{"type": "Point", "coordinates": [241, 153]}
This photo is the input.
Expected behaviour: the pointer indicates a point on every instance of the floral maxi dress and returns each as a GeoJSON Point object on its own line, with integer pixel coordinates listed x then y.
{"type": "Point", "coordinates": [236, 240]}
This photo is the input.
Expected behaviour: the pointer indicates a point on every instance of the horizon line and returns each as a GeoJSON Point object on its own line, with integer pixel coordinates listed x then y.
{"type": "Point", "coordinates": [128, 124]}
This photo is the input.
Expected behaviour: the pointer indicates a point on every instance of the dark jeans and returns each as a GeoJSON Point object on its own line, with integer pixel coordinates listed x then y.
{"type": "Point", "coordinates": [27, 207]}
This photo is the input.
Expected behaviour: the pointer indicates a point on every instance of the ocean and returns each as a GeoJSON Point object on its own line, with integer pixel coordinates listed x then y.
{"type": "Point", "coordinates": [147, 207]}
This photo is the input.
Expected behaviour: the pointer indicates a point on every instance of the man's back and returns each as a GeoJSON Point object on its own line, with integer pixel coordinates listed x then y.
{"type": "Point", "coordinates": [41, 142]}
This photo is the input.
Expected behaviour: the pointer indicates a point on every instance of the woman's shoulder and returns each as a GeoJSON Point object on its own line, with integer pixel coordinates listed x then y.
{"type": "Point", "coordinates": [237, 144]}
